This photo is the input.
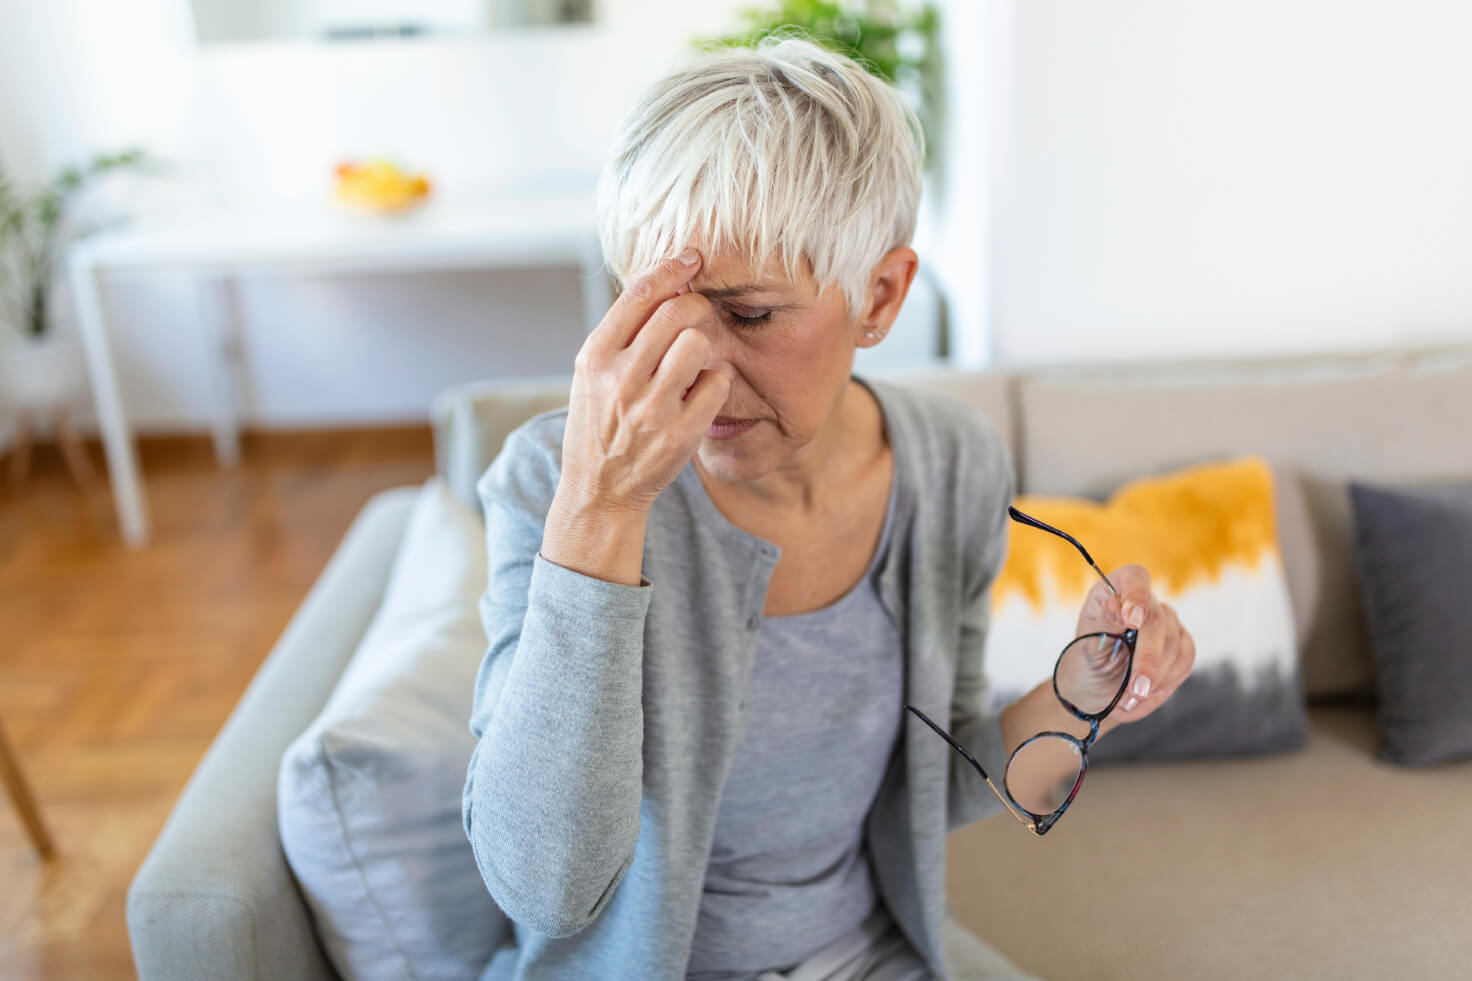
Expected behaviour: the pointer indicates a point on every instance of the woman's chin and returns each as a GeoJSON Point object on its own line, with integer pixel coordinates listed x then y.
{"type": "Point", "coordinates": [727, 460]}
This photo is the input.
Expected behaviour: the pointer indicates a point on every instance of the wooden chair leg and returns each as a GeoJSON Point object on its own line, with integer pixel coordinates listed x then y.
{"type": "Point", "coordinates": [15, 782]}
{"type": "Point", "coordinates": [71, 449]}
{"type": "Point", "coordinates": [20, 453]}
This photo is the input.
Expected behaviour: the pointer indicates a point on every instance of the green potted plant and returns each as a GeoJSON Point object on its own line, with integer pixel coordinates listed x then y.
{"type": "Point", "coordinates": [39, 370]}
{"type": "Point", "coordinates": [895, 41]}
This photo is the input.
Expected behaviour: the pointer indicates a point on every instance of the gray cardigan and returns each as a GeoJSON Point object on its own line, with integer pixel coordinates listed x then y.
{"type": "Point", "coordinates": [606, 716]}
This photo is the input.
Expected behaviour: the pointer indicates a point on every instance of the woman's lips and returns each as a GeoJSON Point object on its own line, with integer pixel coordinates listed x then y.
{"type": "Point", "coordinates": [725, 427]}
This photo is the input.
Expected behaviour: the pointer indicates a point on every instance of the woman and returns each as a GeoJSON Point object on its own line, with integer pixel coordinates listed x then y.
{"type": "Point", "coordinates": [718, 575]}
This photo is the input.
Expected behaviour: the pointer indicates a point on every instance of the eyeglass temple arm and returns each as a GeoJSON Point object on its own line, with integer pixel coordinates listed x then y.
{"type": "Point", "coordinates": [1027, 821]}
{"type": "Point", "coordinates": [1021, 518]}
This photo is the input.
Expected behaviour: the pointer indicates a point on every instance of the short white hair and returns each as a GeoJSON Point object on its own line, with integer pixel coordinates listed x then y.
{"type": "Point", "coordinates": [783, 150]}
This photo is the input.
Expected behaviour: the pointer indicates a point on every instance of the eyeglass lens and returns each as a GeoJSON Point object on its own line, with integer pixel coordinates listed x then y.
{"type": "Point", "coordinates": [1090, 675]}
{"type": "Point", "coordinates": [1091, 671]}
{"type": "Point", "coordinates": [1043, 772]}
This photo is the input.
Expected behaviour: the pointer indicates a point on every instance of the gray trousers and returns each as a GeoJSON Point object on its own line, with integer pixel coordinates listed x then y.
{"type": "Point", "coordinates": [876, 951]}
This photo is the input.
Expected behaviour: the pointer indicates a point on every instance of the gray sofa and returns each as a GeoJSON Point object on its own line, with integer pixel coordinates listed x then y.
{"type": "Point", "coordinates": [1318, 863]}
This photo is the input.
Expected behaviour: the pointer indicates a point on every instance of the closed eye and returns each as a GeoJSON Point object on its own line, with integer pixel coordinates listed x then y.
{"type": "Point", "coordinates": [750, 321]}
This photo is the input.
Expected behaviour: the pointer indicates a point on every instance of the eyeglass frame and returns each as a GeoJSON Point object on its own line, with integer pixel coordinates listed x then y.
{"type": "Point", "coordinates": [1039, 824]}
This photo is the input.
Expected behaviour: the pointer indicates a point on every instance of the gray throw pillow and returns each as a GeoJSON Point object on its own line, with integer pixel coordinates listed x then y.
{"type": "Point", "coordinates": [1413, 553]}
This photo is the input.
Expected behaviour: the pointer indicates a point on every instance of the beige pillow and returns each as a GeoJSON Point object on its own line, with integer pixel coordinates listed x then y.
{"type": "Point", "coordinates": [369, 795]}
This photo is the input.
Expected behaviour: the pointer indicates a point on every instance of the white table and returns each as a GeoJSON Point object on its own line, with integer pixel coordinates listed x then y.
{"type": "Point", "coordinates": [533, 230]}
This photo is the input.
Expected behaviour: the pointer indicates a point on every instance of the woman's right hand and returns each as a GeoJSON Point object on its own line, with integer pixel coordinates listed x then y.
{"type": "Point", "coordinates": [642, 400]}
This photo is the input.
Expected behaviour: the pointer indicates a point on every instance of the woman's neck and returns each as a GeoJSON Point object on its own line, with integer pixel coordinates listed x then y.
{"type": "Point", "coordinates": [844, 450]}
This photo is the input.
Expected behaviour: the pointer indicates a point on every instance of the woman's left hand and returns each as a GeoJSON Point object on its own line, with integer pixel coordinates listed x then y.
{"type": "Point", "coordinates": [1164, 650]}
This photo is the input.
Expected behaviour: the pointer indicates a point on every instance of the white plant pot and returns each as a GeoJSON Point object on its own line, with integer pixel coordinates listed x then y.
{"type": "Point", "coordinates": [42, 375]}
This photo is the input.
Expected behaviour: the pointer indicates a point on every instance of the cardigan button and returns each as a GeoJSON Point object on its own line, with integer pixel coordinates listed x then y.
{"type": "Point", "coordinates": [753, 621]}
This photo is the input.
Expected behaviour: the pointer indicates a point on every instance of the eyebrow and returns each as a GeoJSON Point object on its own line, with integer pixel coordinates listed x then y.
{"type": "Point", "coordinates": [731, 292]}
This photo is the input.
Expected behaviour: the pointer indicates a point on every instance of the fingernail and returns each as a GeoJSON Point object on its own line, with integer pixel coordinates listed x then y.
{"type": "Point", "coordinates": [1142, 686]}
{"type": "Point", "coordinates": [1135, 616]}
{"type": "Point", "coordinates": [1130, 705]}
{"type": "Point", "coordinates": [690, 257]}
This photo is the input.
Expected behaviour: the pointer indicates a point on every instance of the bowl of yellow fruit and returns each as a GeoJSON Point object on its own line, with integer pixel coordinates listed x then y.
{"type": "Point", "coordinates": [379, 186]}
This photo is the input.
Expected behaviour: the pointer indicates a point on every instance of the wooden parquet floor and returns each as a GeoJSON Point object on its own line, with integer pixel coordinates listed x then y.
{"type": "Point", "coordinates": [118, 667]}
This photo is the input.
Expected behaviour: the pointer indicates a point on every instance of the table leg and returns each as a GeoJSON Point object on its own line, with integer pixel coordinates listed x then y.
{"type": "Point", "coordinates": [25, 803]}
{"type": "Point", "coordinates": [217, 315]}
{"type": "Point", "coordinates": [20, 453]}
{"type": "Point", "coordinates": [71, 449]}
{"type": "Point", "coordinates": [117, 438]}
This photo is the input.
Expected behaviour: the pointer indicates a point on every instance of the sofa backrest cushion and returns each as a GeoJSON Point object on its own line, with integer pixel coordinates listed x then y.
{"type": "Point", "coordinates": [1400, 419]}
{"type": "Point", "coordinates": [988, 392]}
{"type": "Point", "coordinates": [1397, 417]}
{"type": "Point", "coordinates": [369, 794]}
{"type": "Point", "coordinates": [472, 421]}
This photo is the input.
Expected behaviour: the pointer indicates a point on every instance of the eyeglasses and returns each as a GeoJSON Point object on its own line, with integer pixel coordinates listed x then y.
{"type": "Point", "coordinates": [1044, 774]}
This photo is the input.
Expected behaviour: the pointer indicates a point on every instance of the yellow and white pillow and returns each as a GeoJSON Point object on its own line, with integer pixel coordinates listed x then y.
{"type": "Point", "coordinates": [1208, 535]}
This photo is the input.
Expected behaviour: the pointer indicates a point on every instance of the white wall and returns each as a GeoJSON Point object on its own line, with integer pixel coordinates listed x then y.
{"type": "Point", "coordinates": [266, 122]}
{"type": "Point", "coordinates": [1193, 178]}
{"type": "Point", "coordinates": [1135, 179]}
{"type": "Point", "coordinates": [960, 230]}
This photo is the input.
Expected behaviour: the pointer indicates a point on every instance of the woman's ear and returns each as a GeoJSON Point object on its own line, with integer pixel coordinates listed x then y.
{"type": "Point", "coordinates": [889, 284]}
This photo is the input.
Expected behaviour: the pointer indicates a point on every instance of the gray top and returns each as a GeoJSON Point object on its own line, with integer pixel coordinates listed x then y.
{"type": "Point", "coordinates": [607, 716]}
{"type": "Point", "coordinates": [788, 870]}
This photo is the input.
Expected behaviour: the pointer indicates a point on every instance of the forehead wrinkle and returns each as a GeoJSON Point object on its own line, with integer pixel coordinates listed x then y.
{"type": "Point", "coordinates": [745, 289]}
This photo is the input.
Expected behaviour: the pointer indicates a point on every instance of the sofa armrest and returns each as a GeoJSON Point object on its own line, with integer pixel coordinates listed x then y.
{"type": "Point", "coordinates": [215, 897]}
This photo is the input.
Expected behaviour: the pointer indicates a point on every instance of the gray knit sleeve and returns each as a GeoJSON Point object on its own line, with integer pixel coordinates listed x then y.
{"type": "Point", "coordinates": [552, 793]}
{"type": "Point", "coordinates": [989, 465]}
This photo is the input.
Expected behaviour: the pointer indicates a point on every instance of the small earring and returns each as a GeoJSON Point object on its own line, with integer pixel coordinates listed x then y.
{"type": "Point", "coordinates": [874, 335]}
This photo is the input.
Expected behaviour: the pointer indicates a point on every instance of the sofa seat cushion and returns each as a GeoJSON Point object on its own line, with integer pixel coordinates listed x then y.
{"type": "Point", "coordinates": [1323, 863]}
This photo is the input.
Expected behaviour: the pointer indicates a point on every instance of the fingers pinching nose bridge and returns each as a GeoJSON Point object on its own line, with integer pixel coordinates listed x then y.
{"type": "Point", "coordinates": [721, 367]}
